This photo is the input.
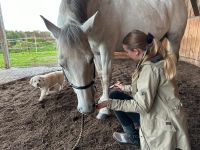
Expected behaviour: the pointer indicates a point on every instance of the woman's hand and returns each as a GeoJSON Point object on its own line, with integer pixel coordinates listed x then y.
{"type": "Point", "coordinates": [102, 105]}
{"type": "Point", "coordinates": [118, 85]}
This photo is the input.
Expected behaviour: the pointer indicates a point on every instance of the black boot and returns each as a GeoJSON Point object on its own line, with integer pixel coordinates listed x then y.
{"type": "Point", "coordinates": [130, 136]}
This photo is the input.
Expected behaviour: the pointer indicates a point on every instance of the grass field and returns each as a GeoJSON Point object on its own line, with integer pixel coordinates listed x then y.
{"type": "Point", "coordinates": [24, 58]}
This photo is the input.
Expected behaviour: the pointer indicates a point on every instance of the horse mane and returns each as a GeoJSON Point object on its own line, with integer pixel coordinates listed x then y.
{"type": "Point", "coordinates": [77, 8]}
{"type": "Point", "coordinates": [70, 36]}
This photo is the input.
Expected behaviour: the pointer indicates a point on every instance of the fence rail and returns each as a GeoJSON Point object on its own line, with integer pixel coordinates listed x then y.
{"type": "Point", "coordinates": [30, 51]}
{"type": "Point", "coordinates": [28, 43]}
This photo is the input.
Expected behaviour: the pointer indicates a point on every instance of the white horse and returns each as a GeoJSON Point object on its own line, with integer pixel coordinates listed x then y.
{"type": "Point", "coordinates": [90, 30]}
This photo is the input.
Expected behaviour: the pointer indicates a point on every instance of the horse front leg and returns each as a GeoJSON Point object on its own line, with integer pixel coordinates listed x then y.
{"type": "Point", "coordinates": [106, 63]}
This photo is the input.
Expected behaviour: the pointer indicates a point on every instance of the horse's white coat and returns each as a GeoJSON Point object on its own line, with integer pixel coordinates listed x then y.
{"type": "Point", "coordinates": [105, 31]}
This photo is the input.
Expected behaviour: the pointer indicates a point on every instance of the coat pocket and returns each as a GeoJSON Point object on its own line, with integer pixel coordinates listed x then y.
{"type": "Point", "coordinates": [159, 133]}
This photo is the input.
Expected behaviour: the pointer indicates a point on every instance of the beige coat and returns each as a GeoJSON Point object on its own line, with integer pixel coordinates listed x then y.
{"type": "Point", "coordinates": [163, 125]}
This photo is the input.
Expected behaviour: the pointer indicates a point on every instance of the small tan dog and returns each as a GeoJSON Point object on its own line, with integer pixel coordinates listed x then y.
{"type": "Point", "coordinates": [47, 81]}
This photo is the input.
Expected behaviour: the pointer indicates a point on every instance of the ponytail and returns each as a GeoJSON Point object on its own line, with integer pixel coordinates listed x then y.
{"type": "Point", "coordinates": [169, 59]}
{"type": "Point", "coordinates": [170, 65]}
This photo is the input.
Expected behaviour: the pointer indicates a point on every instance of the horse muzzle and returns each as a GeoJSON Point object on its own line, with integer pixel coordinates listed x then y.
{"type": "Point", "coordinates": [86, 110]}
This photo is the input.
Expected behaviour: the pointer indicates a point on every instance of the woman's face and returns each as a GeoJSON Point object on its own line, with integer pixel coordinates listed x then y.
{"type": "Point", "coordinates": [135, 54]}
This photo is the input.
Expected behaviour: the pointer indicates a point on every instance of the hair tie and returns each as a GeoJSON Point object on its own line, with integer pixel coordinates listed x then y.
{"type": "Point", "coordinates": [150, 38]}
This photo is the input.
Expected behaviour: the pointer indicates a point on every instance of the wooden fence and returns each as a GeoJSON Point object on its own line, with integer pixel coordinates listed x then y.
{"type": "Point", "coordinates": [190, 45]}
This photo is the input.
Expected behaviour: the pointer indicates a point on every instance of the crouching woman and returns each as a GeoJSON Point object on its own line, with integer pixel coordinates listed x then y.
{"type": "Point", "coordinates": [163, 125]}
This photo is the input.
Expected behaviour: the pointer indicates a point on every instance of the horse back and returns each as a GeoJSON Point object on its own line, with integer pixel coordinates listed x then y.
{"type": "Point", "coordinates": [118, 17]}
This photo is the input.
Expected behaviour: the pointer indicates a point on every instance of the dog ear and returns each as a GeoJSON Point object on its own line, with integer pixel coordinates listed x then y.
{"type": "Point", "coordinates": [31, 81]}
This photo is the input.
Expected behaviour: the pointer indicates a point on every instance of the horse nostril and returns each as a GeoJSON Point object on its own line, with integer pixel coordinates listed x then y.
{"type": "Point", "coordinates": [94, 105]}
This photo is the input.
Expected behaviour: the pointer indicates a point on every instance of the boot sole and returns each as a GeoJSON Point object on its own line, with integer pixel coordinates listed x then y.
{"type": "Point", "coordinates": [131, 144]}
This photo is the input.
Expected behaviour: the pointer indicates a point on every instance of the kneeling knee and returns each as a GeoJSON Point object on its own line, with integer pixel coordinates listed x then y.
{"type": "Point", "coordinates": [114, 94]}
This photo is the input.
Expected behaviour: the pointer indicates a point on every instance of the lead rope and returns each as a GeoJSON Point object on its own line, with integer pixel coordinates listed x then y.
{"type": "Point", "coordinates": [81, 133]}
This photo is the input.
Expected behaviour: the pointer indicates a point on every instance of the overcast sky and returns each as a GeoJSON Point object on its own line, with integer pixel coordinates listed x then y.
{"type": "Point", "coordinates": [23, 15]}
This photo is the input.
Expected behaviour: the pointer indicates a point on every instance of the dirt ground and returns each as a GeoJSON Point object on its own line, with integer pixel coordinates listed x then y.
{"type": "Point", "coordinates": [25, 124]}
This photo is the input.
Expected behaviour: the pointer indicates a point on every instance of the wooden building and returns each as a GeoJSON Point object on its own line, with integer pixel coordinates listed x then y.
{"type": "Point", "coordinates": [190, 46]}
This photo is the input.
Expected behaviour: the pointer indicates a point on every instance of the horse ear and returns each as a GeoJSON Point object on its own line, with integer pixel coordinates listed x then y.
{"type": "Point", "coordinates": [51, 27]}
{"type": "Point", "coordinates": [87, 26]}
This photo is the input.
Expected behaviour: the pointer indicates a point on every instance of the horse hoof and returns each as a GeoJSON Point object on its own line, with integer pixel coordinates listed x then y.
{"type": "Point", "coordinates": [101, 116]}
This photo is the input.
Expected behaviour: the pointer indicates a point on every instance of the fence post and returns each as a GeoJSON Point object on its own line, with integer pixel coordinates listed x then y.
{"type": "Point", "coordinates": [35, 43]}
{"type": "Point", "coordinates": [26, 38]}
{"type": "Point", "coordinates": [4, 42]}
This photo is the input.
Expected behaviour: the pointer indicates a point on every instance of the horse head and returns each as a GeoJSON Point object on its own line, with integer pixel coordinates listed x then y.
{"type": "Point", "coordinates": [76, 59]}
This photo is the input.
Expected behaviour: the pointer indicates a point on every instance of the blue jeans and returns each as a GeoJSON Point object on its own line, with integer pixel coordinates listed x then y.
{"type": "Point", "coordinates": [125, 118]}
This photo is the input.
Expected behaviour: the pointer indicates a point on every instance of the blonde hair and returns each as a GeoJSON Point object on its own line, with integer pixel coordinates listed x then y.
{"type": "Point", "coordinates": [138, 39]}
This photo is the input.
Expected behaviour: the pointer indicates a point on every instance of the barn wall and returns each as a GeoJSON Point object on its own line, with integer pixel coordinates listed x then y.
{"type": "Point", "coordinates": [190, 9]}
{"type": "Point", "coordinates": [190, 45]}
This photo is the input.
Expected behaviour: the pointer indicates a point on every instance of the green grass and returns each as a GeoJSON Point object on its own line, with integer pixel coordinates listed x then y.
{"type": "Point", "coordinates": [24, 58]}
